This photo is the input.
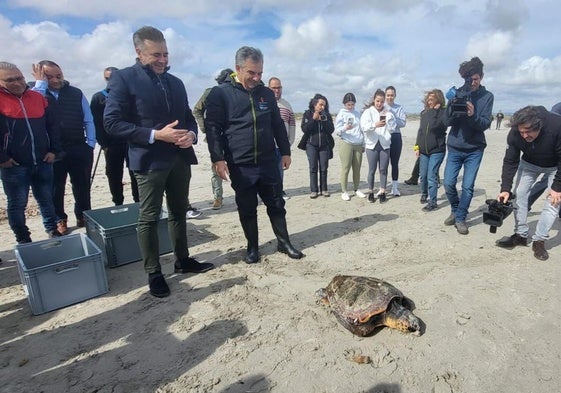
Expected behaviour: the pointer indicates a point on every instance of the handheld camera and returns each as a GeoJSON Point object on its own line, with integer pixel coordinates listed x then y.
{"type": "Point", "coordinates": [496, 213]}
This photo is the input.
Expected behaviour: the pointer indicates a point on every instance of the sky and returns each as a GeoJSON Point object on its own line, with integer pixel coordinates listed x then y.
{"type": "Point", "coordinates": [330, 47]}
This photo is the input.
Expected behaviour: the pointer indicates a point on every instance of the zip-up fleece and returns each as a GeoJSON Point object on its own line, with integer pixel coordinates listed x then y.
{"type": "Point", "coordinates": [242, 126]}
{"type": "Point", "coordinates": [28, 128]}
{"type": "Point", "coordinates": [431, 136]}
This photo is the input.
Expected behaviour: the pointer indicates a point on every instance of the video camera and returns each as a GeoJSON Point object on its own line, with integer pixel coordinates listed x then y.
{"type": "Point", "coordinates": [459, 98]}
{"type": "Point", "coordinates": [497, 212]}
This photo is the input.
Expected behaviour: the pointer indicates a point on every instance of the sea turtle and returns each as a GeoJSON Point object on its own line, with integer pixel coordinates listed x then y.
{"type": "Point", "coordinates": [362, 304]}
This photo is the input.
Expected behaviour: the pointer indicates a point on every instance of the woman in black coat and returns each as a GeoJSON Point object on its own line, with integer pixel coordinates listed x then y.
{"type": "Point", "coordinates": [430, 147]}
{"type": "Point", "coordinates": [318, 142]}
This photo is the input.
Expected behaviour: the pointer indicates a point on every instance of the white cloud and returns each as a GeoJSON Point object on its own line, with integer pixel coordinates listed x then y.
{"type": "Point", "coordinates": [330, 47]}
{"type": "Point", "coordinates": [311, 39]}
{"type": "Point", "coordinates": [492, 47]}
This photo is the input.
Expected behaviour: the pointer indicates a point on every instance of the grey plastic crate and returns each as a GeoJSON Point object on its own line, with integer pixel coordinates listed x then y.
{"type": "Point", "coordinates": [113, 230]}
{"type": "Point", "coordinates": [59, 272]}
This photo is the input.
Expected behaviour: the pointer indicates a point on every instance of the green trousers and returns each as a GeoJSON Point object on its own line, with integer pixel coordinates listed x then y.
{"type": "Point", "coordinates": [351, 157]}
{"type": "Point", "coordinates": [174, 182]}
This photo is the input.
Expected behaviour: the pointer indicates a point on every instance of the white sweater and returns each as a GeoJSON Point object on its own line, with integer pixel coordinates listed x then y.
{"type": "Point", "coordinates": [373, 134]}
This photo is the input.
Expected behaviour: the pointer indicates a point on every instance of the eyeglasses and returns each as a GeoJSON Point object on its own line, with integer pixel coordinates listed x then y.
{"type": "Point", "coordinates": [14, 79]}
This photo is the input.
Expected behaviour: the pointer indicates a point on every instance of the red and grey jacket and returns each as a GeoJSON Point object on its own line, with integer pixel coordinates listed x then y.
{"type": "Point", "coordinates": [28, 128]}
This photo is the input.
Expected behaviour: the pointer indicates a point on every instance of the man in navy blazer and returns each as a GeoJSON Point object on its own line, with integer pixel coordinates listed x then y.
{"type": "Point", "coordinates": [149, 108]}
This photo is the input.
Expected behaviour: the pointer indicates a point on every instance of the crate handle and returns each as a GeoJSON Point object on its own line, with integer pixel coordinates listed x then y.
{"type": "Point", "coordinates": [54, 243]}
{"type": "Point", "coordinates": [67, 268]}
{"type": "Point", "coordinates": [121, 210]}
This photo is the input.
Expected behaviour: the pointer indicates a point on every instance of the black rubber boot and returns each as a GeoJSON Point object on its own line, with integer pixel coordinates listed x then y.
{"type": "Point", "coordinates": [251, 231]}
{"type": "Point", "coordinates": [284, 245]}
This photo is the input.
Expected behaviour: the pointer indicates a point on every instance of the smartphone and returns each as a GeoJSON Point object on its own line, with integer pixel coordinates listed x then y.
{"type": "Point", "coordinates": [350, 121]}
{"type": "Point", "coordinates": [382, 117]}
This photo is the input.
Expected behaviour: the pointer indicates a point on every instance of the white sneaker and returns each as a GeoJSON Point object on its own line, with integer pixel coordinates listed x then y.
{"type": "Point", "coordinates": [395, 191]}
{"type": "Point", "coordinates": [360, 194]}
{"type": "Point", "coordinates": [193, 213]}
{"type": "Point", "coordinates": [285, 196]}
{"type": "Point", "coordinates": [345, 196]}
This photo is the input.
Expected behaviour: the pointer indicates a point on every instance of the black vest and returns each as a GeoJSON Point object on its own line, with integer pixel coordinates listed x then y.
{"type": "Point", "coordinates": [71, 115]}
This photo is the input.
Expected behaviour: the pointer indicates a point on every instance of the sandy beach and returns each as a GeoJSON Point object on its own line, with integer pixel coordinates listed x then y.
{"type": "Point", "coordinates": [491, 315]}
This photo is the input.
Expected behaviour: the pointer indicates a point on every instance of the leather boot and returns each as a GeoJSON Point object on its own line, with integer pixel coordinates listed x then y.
{"type": "Point", "coordinates": [284, 245]}
{"type": "Point", "coordinates": [251, 231]}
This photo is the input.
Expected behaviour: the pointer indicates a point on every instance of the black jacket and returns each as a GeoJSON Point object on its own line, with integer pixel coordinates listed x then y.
{"type": "Point", "coordinates": [140, 101]}
{"type": "Point", "coordinates": [97, 106]}
{"type": "Point", "coordinates": [544, 151]}
{"type": "Point", "coordinates": [242, 126]}
{"type": "Point", "coordinates": [317, 132]}
{"type": "Point", "coordinates": [431, 136]}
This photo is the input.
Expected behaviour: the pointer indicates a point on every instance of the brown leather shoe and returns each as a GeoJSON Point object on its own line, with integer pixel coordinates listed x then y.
{"type": "Point", "coordinates": [61, 227]}
{"type": "Point", "coordinates": [512, 241]}
{"type": "Point", "coordinates": [217, 203]}
{"type": "Point", "coordinates": [538, 247]}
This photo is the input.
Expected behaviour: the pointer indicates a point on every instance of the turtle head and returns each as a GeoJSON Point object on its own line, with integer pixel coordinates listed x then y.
{"type": "Point", "coordinates": [321, 295]}
{"type": "Point", "coordinates": [402, 319]}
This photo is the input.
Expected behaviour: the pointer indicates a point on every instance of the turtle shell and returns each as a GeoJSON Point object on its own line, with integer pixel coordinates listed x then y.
{"type": "Point", "coordinates": [360, 302]}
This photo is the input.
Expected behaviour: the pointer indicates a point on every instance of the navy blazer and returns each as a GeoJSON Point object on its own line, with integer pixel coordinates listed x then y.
{"type": "Point", "coordinates": [140, 101]}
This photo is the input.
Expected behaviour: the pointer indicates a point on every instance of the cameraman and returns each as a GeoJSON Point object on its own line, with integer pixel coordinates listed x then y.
{"type": "Point", "coordinates": [466, 141]}
{"type": "Point", "coordinates": [537, 134]}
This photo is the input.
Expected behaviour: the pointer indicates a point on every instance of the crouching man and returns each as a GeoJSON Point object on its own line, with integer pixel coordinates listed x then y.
{"type": "Point", "coordinates": [536, 133]}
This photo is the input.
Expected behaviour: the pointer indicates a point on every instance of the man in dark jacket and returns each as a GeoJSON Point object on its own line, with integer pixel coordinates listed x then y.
{"type": "Point", "coordinates": [536, 133]}
{"type": "Point", "coordinates": [114, 149]}
{"type": "Point", "coordinates": [149, 108]}
{"type": "Point", "coordinates": [29, 141]}
{"type": "Point", "coordinates": [466, 140]}
{"type": "Point", "coordinates": [77, 136]}
{"type": "Point", "coordinates": [242, 124]}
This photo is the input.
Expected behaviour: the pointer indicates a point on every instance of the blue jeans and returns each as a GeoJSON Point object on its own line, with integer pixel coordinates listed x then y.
{"type": "Point", "coordinates": [16, 181]}
{"type": "Point", "coordinates": [527, 176]}
{"type": "Point", "coordinates": [429, 165]}
{"type": "Point", "coordinates": [454, 162]}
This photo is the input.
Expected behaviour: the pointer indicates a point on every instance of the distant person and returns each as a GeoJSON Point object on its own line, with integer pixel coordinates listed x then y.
{"type": "Point", "coordinates": [29, 143]}
{"type": "Point", "coordinates": [77, 135]}
{"type": "Point", "coordinates": [149, 108]}
{"type": "Point", "coordinates": [396, 143]}
{"type": "Point", "coordinates": [114, 149]}
{"type": "Point", "coordinates": [351, 148]}
{"type": "Point", "coordinates": [377, 125]}
{"type": "Point", "coordinates": [466, 141]}
{"type": "Point", "coordinates": [536, 134]}
{"type": "Point", "coordinates": [430, 146]}
{"type": "Point", "coordinates": [500, 118]}
{"type": "Point", "coordinates": [199, 113]}
{"type": "Point", "coordinates": [317, 141]}
{"type": "Point", "coordinates": [244, 127]}
{"type": "Point", "coordinates": [287, 115]}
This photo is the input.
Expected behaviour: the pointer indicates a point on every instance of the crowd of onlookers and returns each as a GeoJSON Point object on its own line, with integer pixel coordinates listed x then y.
{"type": "Point", "coordinates": [142, 120]}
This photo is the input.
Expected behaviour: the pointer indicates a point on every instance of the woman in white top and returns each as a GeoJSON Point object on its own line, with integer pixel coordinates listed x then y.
{"type": "Point", "coordinates": [377, 124]}
{"type": "Point", "coordinates": [347, 128]}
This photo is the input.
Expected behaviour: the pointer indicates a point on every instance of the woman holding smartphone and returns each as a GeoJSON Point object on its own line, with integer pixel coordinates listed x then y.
{"type": "Point", "coordinates": [377, 125]}
{"type": "Point", "coordinates": [318, 142]}
{"type": "Point", "coordinates": [347, 127]}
